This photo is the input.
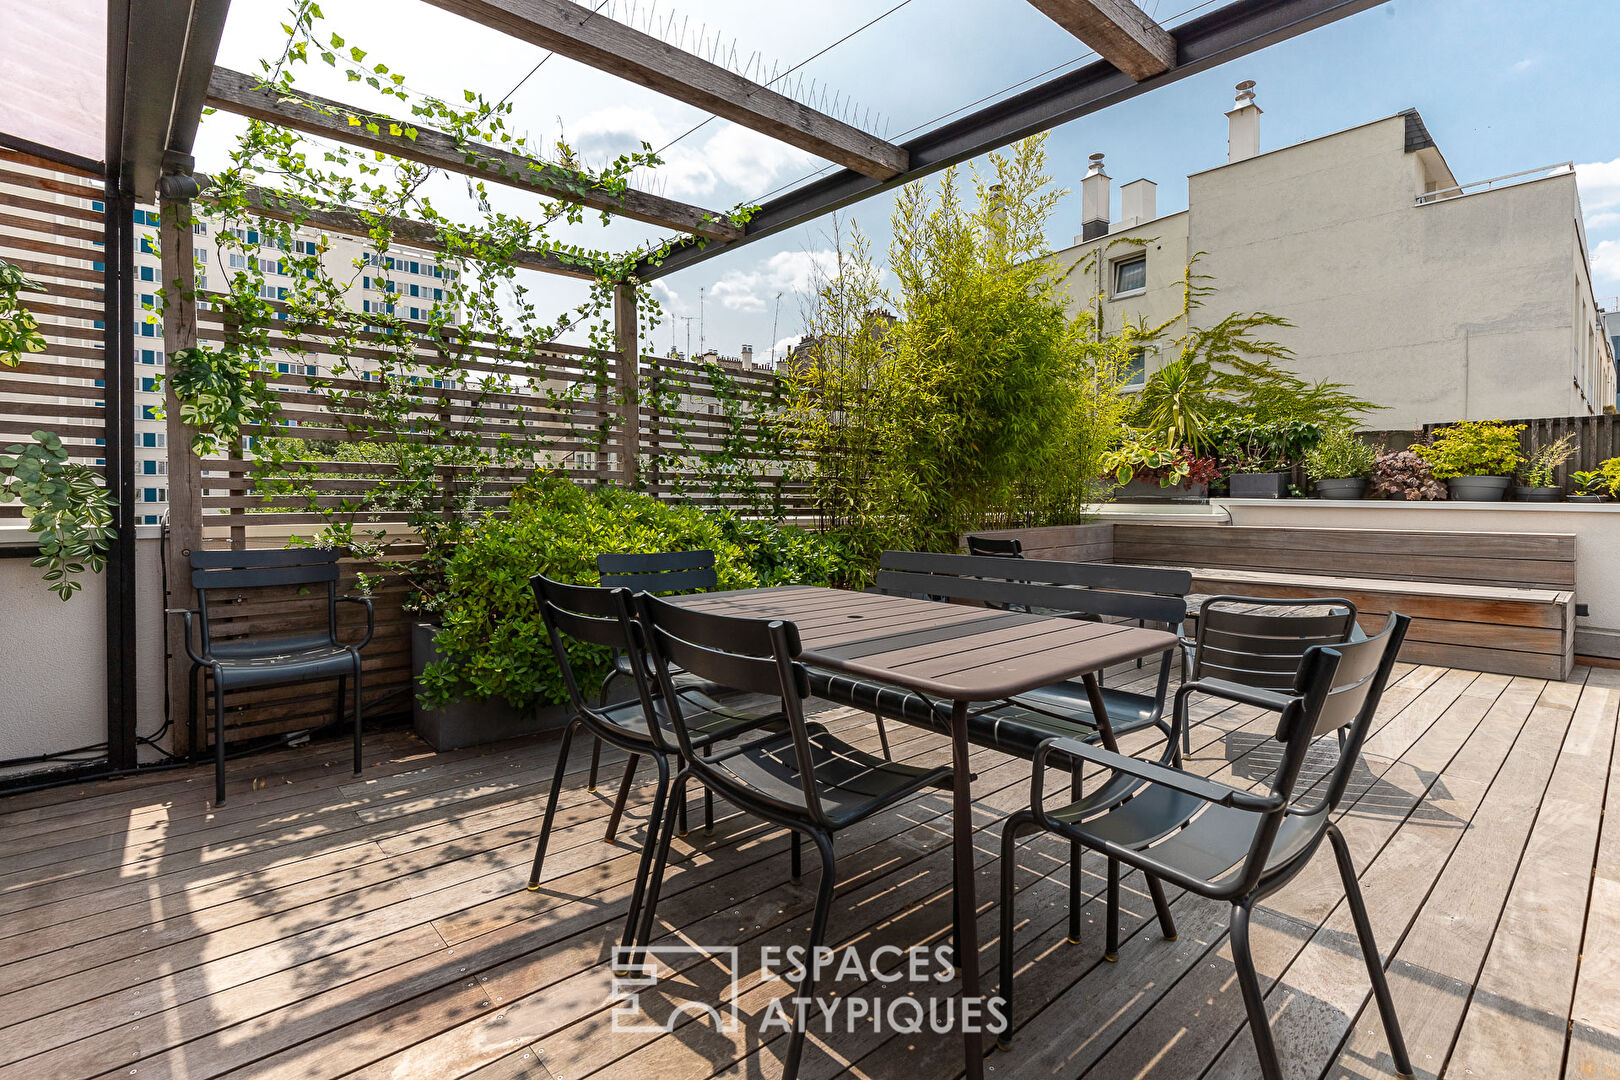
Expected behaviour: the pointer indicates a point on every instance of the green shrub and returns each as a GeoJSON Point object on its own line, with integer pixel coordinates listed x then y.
{"type": "Point", "coordinates": [493, 642]}
{"type": "Point", "coordinates": [1340, 456]}
{"type": "Point", "coordinates": [1473, 448]}
{"type": "Point", "coordinates": [1603, 480]}
{"type": "Point", "coordinates": [1541, 468]}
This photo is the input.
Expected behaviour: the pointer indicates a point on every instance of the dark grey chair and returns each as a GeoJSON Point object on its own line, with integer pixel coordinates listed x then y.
{"type": "Point", "coordinates": [1260, 641]}
{"type": "Point", "coordinates": [1221, 842]}
{"type": "Point", "coordinates": [268, 660]}
{"type": "Point", "coordinates": [996, 547]}
{"type": "Point", "coordinates": [663, 572]}
{"type": "Point", "coordinates": [589, 615]}
{"type": "Point", "coordinates": [805, 779]}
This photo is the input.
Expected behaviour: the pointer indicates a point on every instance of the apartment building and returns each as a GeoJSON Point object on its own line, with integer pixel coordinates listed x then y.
{"type": "Point", "coordinates": [1437, 300]}
{"type": "Point", "coordinates": [415, 275]}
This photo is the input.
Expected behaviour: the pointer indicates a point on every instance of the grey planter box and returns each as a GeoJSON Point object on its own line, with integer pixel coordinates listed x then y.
{"type": "Point", "coordinates": [1536, 494]}
{"type": "Point", "coordinates": [1588, 498]}
{"type": "Point", "coordinates": [1138, 491]}
{"type": "Point", "coordinates": [1349, 487]}
{"type": "Point", "coordinates": [1264, 485]}
{"type": "Point", "coordinates": [1478, 488]}
{"type": "Point", "coordinates": [471, 723]}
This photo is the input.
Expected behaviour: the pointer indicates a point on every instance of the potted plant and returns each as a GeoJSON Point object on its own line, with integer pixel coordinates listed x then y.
{"type": "Point", "coordinates": [1148, 471]}
{"type": "Point", "coordinates": [1596, 485]}
{"type": "Point", "coordinates": [1538, 478]}
{"type": "Point", "coordinates": [1340, 464]}
{"type": "Point", "coordinates": [1259, 457]}
{"type": "Point", "coordinates": [1476, 458]}
{"type": "Point", "coordinates": [1401, 474]}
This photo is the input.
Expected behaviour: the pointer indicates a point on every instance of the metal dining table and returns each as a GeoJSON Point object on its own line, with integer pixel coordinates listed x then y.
{"type": "Point", "coordinates": [950, 653]}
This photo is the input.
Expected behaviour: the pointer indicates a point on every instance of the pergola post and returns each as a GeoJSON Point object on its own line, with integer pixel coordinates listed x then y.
{"type": "Point", "coordinates": [627, 381]}
{"type": "Point", "coordinates": [185, 469]}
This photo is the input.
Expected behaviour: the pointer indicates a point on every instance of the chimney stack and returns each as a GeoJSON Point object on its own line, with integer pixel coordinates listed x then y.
{"type": "Point", "coordinates": [748, 356]}
{"type": "Point", "coordinates": [1243, 125]}
{"type": "Point", "coordinates": [1138, 202]}
{"type": "Point", "coordinates": [1094, 201]}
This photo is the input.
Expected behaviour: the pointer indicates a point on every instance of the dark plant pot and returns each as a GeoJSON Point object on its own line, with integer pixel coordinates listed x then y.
{"type": "Point", "coordinates": [1138, 491]}
{"type": "Point", "coordinates": [471, 723]}
{"type": "Point", "coordinates": [1262, 485]}
{"type": "Point", "coordinates": [1588, 498]}
{"type": "Point", "coordinates": [1349, 487]}
{"type": "Point", "coordinates": [1536, 494]}
{"type": "Point", "coordinates": [1478, 488]}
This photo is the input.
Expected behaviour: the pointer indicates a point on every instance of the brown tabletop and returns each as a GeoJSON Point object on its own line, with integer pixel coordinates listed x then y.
{"type": "Point", "coordinates": [951, 651]}
{"type": "Point", "coordinates": [947, 651]}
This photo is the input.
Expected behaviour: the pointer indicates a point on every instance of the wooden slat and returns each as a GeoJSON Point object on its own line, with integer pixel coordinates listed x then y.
{"type": "Point", "coordinates": [1122, 33]}
{"type": "Point", "coordinates": [235, 92]}
{"type": "Point", "coordinates": [579, 34]}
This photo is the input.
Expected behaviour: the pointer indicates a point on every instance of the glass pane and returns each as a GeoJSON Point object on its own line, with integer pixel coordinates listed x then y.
{"type": "Point", "coordinates": [1130, 276]}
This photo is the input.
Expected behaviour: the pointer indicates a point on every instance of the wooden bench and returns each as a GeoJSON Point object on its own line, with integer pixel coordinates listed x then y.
{"type": "Point", "coordinates": [1481, 601]}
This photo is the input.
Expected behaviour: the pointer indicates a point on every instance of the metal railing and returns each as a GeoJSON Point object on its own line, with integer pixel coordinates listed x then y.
{"type": "Point", "coordinates": [1474, 187]}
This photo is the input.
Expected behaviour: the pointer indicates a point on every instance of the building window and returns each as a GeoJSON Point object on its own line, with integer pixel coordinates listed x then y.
{"type": "Point", "coordinates": [154, 440]}
{"type": "Point", "coordinates": [148, 245]}
{"type": "Point", "coordinates": [1135, 373]}
{"type": "Point", "coordinates": [199, 229]}
{"type": "Point", "coordinates": [1130, 275]}
{"type": "Point", "coordinates": [237, 260]}
{"type": "Point", "coordinates": [148, 273]}
{"type": "Point", "coordinates": [149, 386]}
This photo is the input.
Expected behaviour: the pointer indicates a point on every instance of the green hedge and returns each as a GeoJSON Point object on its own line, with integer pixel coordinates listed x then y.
{"type": "Point", "coordinates": [493, 642]}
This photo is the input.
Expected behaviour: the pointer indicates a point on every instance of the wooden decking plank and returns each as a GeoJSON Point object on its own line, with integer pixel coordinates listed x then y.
{"type": "Point", "coordinates": [1593, 1045]}
{"type": "Point", "coordinates": [1198, 1016]}
{"type": "Point", "coordinates": [1438, 955]}
{"type": "Point", "coordinates": [1518, 1015]}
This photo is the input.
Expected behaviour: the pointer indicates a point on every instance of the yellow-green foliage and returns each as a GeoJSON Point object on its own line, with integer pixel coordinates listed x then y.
{"type": "Point", "coordinates": [1473, 448]}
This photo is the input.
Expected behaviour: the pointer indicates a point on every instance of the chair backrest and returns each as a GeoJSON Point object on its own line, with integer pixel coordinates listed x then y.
{"type": "Point", "coordinates": [1258, 641]}
{"type": "Point", "coordinates": [1337, 687]}
{"type": "Point", "coordinates": [754, 656]}
{"type": "Point", "coordinates": [263, 568]}
{"type": "Point", "coordinates": [1003, 547]}
{"type": "Point", "coordinates": [658, 571]}
{"type": "Point", "coordinates": [591, 615]}
{"type": "Point", "coordinates": [1129, 592]}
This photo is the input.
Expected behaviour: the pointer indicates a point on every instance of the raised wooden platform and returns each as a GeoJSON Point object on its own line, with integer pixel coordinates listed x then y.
{"type": "Point", "coordinates": [320, 926]}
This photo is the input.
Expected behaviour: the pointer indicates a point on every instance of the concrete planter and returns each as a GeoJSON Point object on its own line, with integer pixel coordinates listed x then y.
{"type": "Point", "coordinates": [1536, 494]}
{"type": "Point", "coordinates": [1478, 488]}
{"type": "Point", "coordinates": [471, 723]}
{"type": "Point", "coordinates": [1348, 487]}
{"type": "Point", "coordinates": [1588, 498]}
{"type": "Point", "coordinates": [1266, 485]}
{"type": "Point", "coordinates": [1138, 491]}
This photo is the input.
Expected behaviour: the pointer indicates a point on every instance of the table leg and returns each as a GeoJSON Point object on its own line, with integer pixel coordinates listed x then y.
{"type": "Point", "coordinates": [1099, 711]}
{"type": "Point", "coordinates": [967, 904]}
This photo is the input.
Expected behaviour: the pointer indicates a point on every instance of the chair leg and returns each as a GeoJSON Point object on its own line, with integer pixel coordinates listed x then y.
{"type": "Point", "coordinates": [655, 849]}
{"type": "Point", "coordinates": [1111, 949]}
{"type": "Point", "coordinates": [624, 793]}
{"type": "Point", "coordinates": [1167, 924]}
{"type": "Point", "coordinates": [1369, 951]}
{"type": "Point", "coordinates": [193, 717]}
{"type": "Point", "coordinates": [794, 853]}
{"type": "Point", "coordinates": [551, 804]}
{"type": "Point", "coordinates": [655, 876]}
{"type": "Point", "coordinates": [680, 819]}
{"type": "Point", "coordinates": [818, 932]}
{"type": "Point", "coordinates": [358, 764]}
{"type": "Point", "coordinates": [1076, 897]}
{"type": "Point", "coordinates": [1254, 1001]}
{"type": "Point", "coordinates": [883, 737]}
{"type": "Point", "coordinates": [596, 760]}
{"type": "Point", "coordinates": [708, 810]}
{"type": "Point", "coordinates": [1004, 970]}
{"type": "Point", "coordinates": [342, 697]}
{"type": "Point", "coordinates": [219, 744]}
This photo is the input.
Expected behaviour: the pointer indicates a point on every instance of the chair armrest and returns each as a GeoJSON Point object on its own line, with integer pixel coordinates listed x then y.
{"type": "Point", "coordinates": [1210, 791]}
{"type": "Point", "coordinates": [188, 613]}
{"type": "Point", "coordinates": [371, 618]}
{"type": "Point", "coordinates": [1231, 691]}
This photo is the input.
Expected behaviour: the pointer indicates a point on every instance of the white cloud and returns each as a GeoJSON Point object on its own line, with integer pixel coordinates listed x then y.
{"type": "Point", "coordinates": [1600, 185]}
{"type": "Point", "coordinates": [785, 272]}
{"type": "Point", "coordinates": [1526, 64]}
{"type": "Point", "coordinates": [1606, 264]}
{"type": "Point", "coordinates": [666, 295]}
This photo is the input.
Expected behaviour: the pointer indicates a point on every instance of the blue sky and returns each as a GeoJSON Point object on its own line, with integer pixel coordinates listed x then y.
{"type": "Point", "coordinates": [1503, 86]}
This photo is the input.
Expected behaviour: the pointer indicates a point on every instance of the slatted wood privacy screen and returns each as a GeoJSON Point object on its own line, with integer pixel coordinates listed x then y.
{"type": "Point", "coordinates": [51, 229]}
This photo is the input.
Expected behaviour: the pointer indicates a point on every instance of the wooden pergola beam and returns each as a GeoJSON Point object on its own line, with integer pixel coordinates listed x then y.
{"type": "Point", "coordinates": [578, 33]}
{"type": "Point", "coordinates": [274, 204]}
{"type": "Point", "coordinates": [1122, 33]}
{"type": "Point", "coordinates": [235, 92]}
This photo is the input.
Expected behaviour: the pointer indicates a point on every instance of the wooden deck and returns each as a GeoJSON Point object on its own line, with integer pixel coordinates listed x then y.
{"type": "Point", "coordinates": [320, 926]}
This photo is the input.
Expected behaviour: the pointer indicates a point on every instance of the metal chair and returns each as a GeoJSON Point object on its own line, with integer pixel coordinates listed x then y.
{"type": "Point", "coordinates": [591, 615]}
{"type": "Point", "coordinates": [996, 547]}
{"type": "Point", "coordinates": [656, 572]}
{"type": "Point", "coordinates": [1258, 641]}
{"type": "Point", "coordinates": [804, 779]}
{"type": "Point", "coordinates": [269, 660]}
{"type": "Point", "coordinates": [1221, 842]}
